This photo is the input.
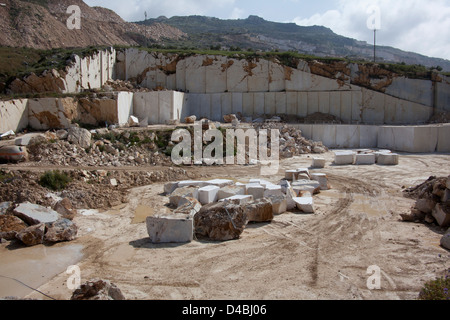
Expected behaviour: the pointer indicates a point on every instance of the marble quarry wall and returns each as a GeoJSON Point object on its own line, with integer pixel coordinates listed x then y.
{"type": "Point", "coordinates": [259, 86]}
{"type": "Point", "coordinates": [84, 73]}
{"type": "Point", "coordinates": [386, 113]}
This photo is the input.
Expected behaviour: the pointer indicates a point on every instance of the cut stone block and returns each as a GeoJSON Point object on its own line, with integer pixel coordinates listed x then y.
{"type": "Point", "coordinates": [220, 222]}
{"type": "Point", "coordinates": [180, 193]}
{"type": "Point", "coordinates": [441, 213]}
{"type": "Point", "coordinates": [301, 186]}
{"type": "Point", "coordinates": [305, 204]}
{"type": "Point", "coordinates": [208, 194]}
{"type": "Point", "coordinates": [279, 204]}
{"type": "Point", "coordinates": [318, 163]}
{"type": "Point", "coordinates": [290, 175]}
{"type": "Point", "coordinates": [322, 179]}
{"type": "Point", "coordinates": [34, 214]}
{"type": "Point", "coordinates": [188, 206]}
{"type": "Point", "coordinates": [191, 183]}
{"type": "Point", "coordinates": [238, 199]}
{"type": "Point", "coordinates": [303, 176]}
{"type": "Point", "coordinates": [388, 159]}
{"type": "Point", "coordinates": [170, 187]}
{"type": "Point", "coordinates": [273, 190]}
{"type": "Point", "coordinates": [230, 191]}
{"type": "Point", "coordinates": [344, 157]}
{"type": "Point", "coordinates": [259, 211]}
{"type": "Point", "coordinates": [261, 182]}
{"type": "Point", "coordinates": [303, 171]}
{"type": "Point", "coordinates": [256, 190]}
{"type": "Point", "coordinates": [365, 159]}
{"type": "Point", "coordinates": [220, 182]}
{"type": "Point", "coordinates": [170, 229]}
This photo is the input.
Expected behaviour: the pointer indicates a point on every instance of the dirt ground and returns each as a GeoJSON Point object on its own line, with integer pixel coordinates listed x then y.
{"type": "Point", "coordinates": [321, 256]}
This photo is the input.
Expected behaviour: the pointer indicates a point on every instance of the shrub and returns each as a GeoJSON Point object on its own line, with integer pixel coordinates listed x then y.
{"type": "Point", "coordinates": [54, 180]}
{"type": "Point", "coordinates": [436, 289]}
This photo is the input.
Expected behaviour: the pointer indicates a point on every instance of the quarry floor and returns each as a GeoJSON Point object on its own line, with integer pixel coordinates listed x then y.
{"type": "Point", "coordinates": [322, 256]}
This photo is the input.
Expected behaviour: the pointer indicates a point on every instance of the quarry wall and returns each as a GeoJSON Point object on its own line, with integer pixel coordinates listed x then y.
{"type": "Point", "coordinates": [214, 86]}
{"type": "Point", "coordinates": [83, 73]}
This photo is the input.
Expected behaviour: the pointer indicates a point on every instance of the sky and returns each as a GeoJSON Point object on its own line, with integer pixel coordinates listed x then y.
{"type": "Point", "coordinates": [421, 26]}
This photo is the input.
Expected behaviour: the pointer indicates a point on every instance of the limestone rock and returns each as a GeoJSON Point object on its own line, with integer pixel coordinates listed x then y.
{"type": "Point", "coordinates": [220, 222]}
{"type": "Point", "coordinates": [98, 290]}
{"type": "Point", "coordinates": [188, 206]}
{"type": "Point", "coordinates": [425, 205]}
{"type": "Point", "coordinates": [4, 207]}
{"type": "Point", "coordinates": [65, 209]}
{"type": "Point", "coordinates": [442, 214]}
{"type": "Point", "coordinates": [33, 235]}
{"type": "Point", "coordinates": [229, 118]}
{"type": "Point", "coordinates": [79, 136]}
{"type": "Point", "coordinates": [34, 214]}
{"type": "Point", "coordinates": [10, 226]}
{"type": "Point", "coordinates": [180, 193]}
{"type": "Point", "coordinates": [190, 119]}
{"type": "Point", "coordinates": [259, 210]}
{"type": "Point", "coordinates": [445, 240]}
{"type": "Point", "coordinates": [62, 134]}
{"type": "Point", "coordinates": [61, 230]}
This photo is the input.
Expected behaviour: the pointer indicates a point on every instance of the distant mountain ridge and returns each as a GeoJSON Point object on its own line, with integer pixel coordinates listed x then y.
{"type": "Point", "coordinates": [259, 34]}
{"type": "Point", "coordinates": [41, 24]}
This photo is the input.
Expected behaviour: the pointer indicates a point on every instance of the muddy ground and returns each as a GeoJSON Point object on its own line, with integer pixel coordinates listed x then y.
{"type": "Point", "coordinates": [322, 256]}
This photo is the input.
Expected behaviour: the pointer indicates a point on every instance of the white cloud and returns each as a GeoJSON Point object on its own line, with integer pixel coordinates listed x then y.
{"type": "Point", "coordinates": [237, 14]}
{"type": "Point", "coordinates": [421, 26]}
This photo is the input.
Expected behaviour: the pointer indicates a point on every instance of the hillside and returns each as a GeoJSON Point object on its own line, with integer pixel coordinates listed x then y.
{"type": "Point", "coordinates": [258, 34]}
{"type": "Point", "coordinates": [41, 24]}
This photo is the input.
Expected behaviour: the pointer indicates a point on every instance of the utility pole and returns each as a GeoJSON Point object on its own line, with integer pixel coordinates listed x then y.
{"type": "Point", "coordinates": [145, 26]}
{"type": "Point", "coordinates": [374, 45]}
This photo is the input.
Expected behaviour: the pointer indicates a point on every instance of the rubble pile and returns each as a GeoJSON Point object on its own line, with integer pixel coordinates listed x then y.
{"type": "Point", "coordinates": [96, 148]}
{"type": "Point", "coordinates": [121, 85]}
{"type": "Point", "coordinates": [292, 143]}
{"type": "Point", "coordinates": [220, 209]}
{"type": "Point", "coordinates": [33, 224]}
{"type": "Point", "coordinates": [432, 204]}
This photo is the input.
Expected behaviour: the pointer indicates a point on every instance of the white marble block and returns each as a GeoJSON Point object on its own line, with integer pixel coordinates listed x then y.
{"type": "Point", "coordinates": [365, 159]}
{"type": "Point", "coordinates": [208, 194]}
{"type": "Point", "coordinates": [305, 204]}
{"type": "Point", "coordinates": [344, 157]}
{"type": "Point", "coordinates": [170, 229]}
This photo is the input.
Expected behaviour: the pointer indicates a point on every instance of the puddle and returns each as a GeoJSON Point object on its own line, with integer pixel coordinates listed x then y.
{"type": "Point", "coordinates": [141, 213]}
{"type": "Point", "coordinates": [34, 266]}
